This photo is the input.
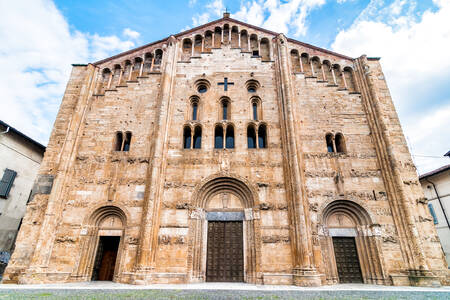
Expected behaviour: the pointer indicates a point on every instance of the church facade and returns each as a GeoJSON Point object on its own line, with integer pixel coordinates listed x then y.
{"type": "Point", "coordinates": [228, 153]}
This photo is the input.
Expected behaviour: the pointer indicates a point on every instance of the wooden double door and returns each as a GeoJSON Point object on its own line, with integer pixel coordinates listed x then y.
{"type": "Point", "coordinates": [105, 260]}
{"type": "Point", "coordinates": [225, 254]}
{"type": "Point", "coordinates": [347, 262]}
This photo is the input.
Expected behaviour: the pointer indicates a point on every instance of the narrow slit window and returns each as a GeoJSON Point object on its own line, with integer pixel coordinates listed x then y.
{"type": "Point", "coordinates": [262, 136]}
{"type": "Point", "coordinates": [251, 137]}
{"type": "Point", "coordinates": [187, 138]}
{"type": "Point", "coordinates": [127, 142]}
{"type": "Point", "coordinates": [194, 111]}
{"type": "Point", "coordinates": [198, 137]}
{"type": "Point", "coordinates": [119, 141]}
{"type": "Point", "coordinates": [329, 139]}
{"type": "Point", "coordinates": [225, 109]}
{"type": "Point", "coordinates": [230, 137]}
{"type": "Point", "coordinates": [340, 143]}
{"type": "Point", "coordinates": [218, 137]}
{"type": "Point", "coordinates": [255, 111]}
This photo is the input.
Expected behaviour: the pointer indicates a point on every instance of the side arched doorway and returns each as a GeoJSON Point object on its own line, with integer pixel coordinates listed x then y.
{"type": "Point", "coordinates": [223, 232]}
{"type": "Point", "coordinates": [350, 244]}
{"type": "Point", "coordinates": [101, 244]}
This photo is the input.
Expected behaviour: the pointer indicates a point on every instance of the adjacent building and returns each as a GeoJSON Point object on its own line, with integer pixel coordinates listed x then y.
{"type": "Point", "coordinates": [20, 157]}
{"type": "Point", "coordinates": [436, 186]}
{"type": "Point", "coordinates": [228, 152]}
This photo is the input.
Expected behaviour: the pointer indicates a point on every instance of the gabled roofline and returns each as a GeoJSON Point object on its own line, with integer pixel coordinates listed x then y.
{"type": "Point", "coordinates": [435, 172]}
{"type": "Point", "coordinates": [212, 23]}
{"type": "Point", "coordinates": [22, 135]}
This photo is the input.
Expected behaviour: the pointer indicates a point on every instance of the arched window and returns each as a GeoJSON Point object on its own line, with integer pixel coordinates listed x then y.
{"type": "Point", "coordinates": [234, 37]}
{"type": "Point", "coordinates": [327, 70]}
{"type": "Point", "coordinates": [226, 33]}
{"type": "Point", "coordinates": [127, 142]}
{"type": "Point", "coordinates": [262, 136]}
{"type": "Point", "coordinates": [338, 76]}
{"type": "Point", "coordinates": [329, 140]}
{"type": "Point", "coordinates": [158, 60]}
{"type": "Point", "coordinates": [119, 141]}
{"type": "Point", "coordinates": [194, 110]}
{"type": "Point", "coordinates": [244, 40]}
{"type": "Point", "coordinates": [208, 41]}
{"type": "Point", "coordinates": [265, 49]}
{"type": "Point", "coordinates": [226, 109]}
{"type": "Point", "coordinates": [252, 85]}
{"type": "Point", "coordinates": [229, 143]}
{"type": "Point", "coordinates": [255, 110]}
{"type": "Point", "coordinates": [306, 65]}
{"type": "Point", "coordinates": [187, 137]}
{"type": "Point", "coordinates": [103, 82]}
{"type": "Point", "coordinates": [348, 75]}
{"type": "Point", "coordinates": [198, 44]}
{"type": "Point", "coordinates": [147, 63]}
{"type": "Point", "coordinates": [187, 49]}
{"type": "Point", "coordinates": [217, 37]}
{"type": "Point", "coordinates": [116, 78]}
{"type": "Point", "coordinates": [295, 61]}
{"type": "Point", "coordinates": [340, 143]}
{"type": "Point", "coordinates": [197, 137]}
{"type": "Point", "coordinates": [218, 137]}
{"type": "Point", "coordinates": [317, 68]}
{"type": "Point", "coordinates": [126, 72]}
{"type": "Point", "coordinates": [251, 137]}
{"type": "Point", "coordinates": [254, 45]}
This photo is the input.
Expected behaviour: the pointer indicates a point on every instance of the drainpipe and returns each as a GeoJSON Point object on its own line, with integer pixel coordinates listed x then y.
{"type": "Point", "coordinates": [6, 131]}
{"type": "Point", "coordinates": [440, 202]}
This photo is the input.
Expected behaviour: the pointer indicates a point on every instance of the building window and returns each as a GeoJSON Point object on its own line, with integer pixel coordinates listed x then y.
{"type": "Point", "coordinates": [7, 182]}
{"type": "Point", "coordinates": [255, 111]}
{"type": "Point", "coordinates": [229, 143]}
{"type": "Point", "coordinates": [187, 138]}
{"type": "Point", "coordinates": [194, 110]}
{"type": "Point", "coordinates": [218, 137]}
{"type": "Point", "coordinates": [225, 110]}
{"type": "Point", "coordinates": [340, 143]}
{"type": "Point", "coordinates": [197, 137]}
{"type": "Point", "coordinates": [433, 213]}
{"type": "Point", "coordinates": [262, 136]}
{"type": "Point", "coordinates": [329, 139]}
{"type": "Point", "coordinates": [123, 141]}
{"type": "Point", "coordinates": [251, 137]}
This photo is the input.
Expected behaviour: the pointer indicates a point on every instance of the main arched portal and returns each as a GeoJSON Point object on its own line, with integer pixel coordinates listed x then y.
{"type": "Point", "coordinates": [350, 241]}
{"type": "Point", "coordinates": [223, 232]}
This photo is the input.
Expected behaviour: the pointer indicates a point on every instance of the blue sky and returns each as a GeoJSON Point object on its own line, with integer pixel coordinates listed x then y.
{"type": "Point", "coordinates": [40, 39]}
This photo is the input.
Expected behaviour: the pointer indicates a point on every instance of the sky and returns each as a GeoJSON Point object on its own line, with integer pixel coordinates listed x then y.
{"type": "Point", "coordinates": [40, 39]}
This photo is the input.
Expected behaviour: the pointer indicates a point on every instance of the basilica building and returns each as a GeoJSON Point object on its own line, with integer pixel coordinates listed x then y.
{"type": "Point", "coordinates": [228, 153]}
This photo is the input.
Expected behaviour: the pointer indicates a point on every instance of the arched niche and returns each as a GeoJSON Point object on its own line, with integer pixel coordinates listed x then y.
{"type": "Point", "coordinates": [222, 198]}
{"type": "Point", "coordinates": [347, 219]}
{"type": "Point", "coordinates": [105, 221]}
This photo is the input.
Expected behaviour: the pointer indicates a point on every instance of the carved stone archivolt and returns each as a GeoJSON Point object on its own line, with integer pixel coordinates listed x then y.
{"type": "Point", "coordinates": [219, 188]}
{"type": "Point", "coordinates": [105, 220]}
{"type": "Point", "coordinates": [344, 218]}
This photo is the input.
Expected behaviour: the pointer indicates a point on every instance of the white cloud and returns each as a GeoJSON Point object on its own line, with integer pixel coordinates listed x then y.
{"type": "Point", "coordinates": [131, 33]}
{"type": "Point", "coordinates": [414, 50]}
{"type": "Point", "coordinates": [192, 2]}
{"type": "Point", "coordinates": [276, 15]}
{"type": "Point", "coordinates": [37, 49]}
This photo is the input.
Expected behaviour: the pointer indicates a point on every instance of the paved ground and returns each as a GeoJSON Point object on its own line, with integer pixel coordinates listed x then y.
{"type": "Point", "coordinates": [108, 290]}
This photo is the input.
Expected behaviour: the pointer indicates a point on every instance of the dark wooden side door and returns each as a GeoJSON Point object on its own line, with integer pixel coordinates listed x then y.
{"type": "Point", "coordinates": [348, 267]}
{"type": "Point", "coordinates": [225, 255]}
{"type": "Point", "coordinates": [105, 261]}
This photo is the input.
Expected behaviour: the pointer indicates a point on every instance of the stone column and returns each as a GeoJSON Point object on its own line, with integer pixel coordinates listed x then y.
{"type": "Point", "coordinates": [148, 240]}
{"type": "Point", "coordinates": [304, 271]}
{"type": "Point", "coordinates": [392, 152]}
{"type": "Point", "coordinates": [142, 67]}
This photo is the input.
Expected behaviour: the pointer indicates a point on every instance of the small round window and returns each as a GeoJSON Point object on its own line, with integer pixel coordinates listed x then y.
{"type": "Point", "coordinates": [202, 88]}
{"type": "Point", "coordinates": [252, 89]}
